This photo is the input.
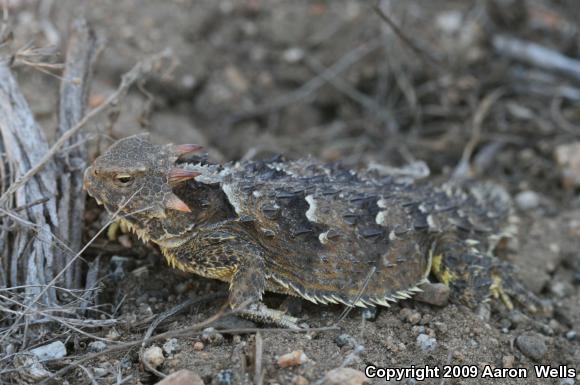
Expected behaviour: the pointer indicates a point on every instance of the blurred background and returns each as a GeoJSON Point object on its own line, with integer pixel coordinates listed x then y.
{"type": "Point", "coordinates": [495, 83]}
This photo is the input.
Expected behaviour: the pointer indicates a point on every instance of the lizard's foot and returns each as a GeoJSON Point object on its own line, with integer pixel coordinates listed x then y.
{"type": "Point", "coordinates": [507, 290]}
{"type": "Point", "coordinates": [117, 228]}
{"type": "Point", "coordinates": [261, 313]}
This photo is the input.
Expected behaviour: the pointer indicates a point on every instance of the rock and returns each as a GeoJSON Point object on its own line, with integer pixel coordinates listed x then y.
{"type": "Point", "coordinates": [484, 312]}
{"type": "Point", "coordinates": [293, 55]}
{"type": "Point", "coordinates": [99, 372]}
{"type": "Point", "coordinates": [182, 377]}
{"type": "Point", "coordinates": [411, 316]}
{"type": "Point", "coordinates": [198, 346]}
{"type": "Point", "coordinates": [370, 313]}
{"type": "Point", "coordinates": [97, 346]}
{"type": "Point", "coordinates": [154, 356]}
{"type": "Point", "coordinates": [517, 318]}
{"type": "Point", "coordinates": [571, 335]}
{"type": "Point", "coordinates": [299, 380]}
{"type": "Point", "coordinates": [225, 377]}
{"type": "Point", "coordinates": [560, 289]}
{"type": "Point", "coordinates": [118, 267]}
{"type": "Point", "coordinates": [51, 351]}
{"type": "Point", "coordinates": [170, 346]}
{"type": "Point", "coordinates": [508, 362]}
{"type": "Point", "coordinates": [113, 334]}
{"type": "Point", "coordinates": [30, 369]}
{"type": "Point", "coordinates": [294, 358]}
{"type": "Point", "coordinates": [211, 336]}
{"type": "Point", "coordinates": [527, 200]}
{"type": "Point", "coordinates": [345, 340]}
{"type": "Point", "coordinates": [568, 159]}
{"type": "Point", "coordinates": [434, 294]}
{"type": "Point", "coordinates": [426, 343]}
{"type": "Point", "coordinates": [345, 376]}
{"type": "Point", "coordinates": [532, 346]}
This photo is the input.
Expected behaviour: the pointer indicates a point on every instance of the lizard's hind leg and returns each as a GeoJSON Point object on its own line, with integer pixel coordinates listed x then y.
{"type": "Point", "coordinates": [475, 276]}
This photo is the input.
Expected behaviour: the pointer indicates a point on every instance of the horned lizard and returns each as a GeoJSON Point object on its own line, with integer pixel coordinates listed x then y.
{"type": "Point", "coordinates": [324, 233]}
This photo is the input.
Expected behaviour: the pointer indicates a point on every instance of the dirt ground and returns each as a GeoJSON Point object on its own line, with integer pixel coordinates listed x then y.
{"type": "Point", "coordinates": [333, 80]}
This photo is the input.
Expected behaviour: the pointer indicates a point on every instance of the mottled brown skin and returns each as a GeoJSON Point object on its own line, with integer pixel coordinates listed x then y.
{"type": "Point", "coordinates": [324, 233]}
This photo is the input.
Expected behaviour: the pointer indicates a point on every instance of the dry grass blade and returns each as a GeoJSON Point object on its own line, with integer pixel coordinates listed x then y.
{"type": "Point", "coordinates": [351, 306]}
{"type": "Point", "coordinates": [70, 262]}
{"type": "Point", "coordinates": [463, 169]}
{"type": "Point", "coordinates": [258, 374]}
{"type": "Point", "coordinates": [404, 38]}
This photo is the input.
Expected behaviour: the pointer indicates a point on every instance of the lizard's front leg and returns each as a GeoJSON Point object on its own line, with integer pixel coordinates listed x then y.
{"type": "Point", "coordinates": [228, 257]}
{"type": "Point", "coordinates": [247, 286]}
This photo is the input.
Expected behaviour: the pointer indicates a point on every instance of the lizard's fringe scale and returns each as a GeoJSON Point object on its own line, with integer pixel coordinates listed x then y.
{"type": "Point", "coordinates": [362, 302]}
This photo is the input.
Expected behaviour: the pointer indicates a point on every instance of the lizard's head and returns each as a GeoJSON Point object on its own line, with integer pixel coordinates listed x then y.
{"type": "Point", "coordinates": [135, 178]}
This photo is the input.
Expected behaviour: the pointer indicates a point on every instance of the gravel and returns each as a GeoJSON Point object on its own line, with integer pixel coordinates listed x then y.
{"type": "Point", "coordinates": [426, 343]}
{"type": "Point", "coordinates": [532, 346]}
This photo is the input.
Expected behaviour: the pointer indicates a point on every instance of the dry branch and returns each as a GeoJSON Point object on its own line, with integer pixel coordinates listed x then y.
{"type": "Point", "coordinates": [74, 91]}
{"type": "Point", "coordinates": [536, 55]}
{"type": "Point", "coordinates": [28, 256]}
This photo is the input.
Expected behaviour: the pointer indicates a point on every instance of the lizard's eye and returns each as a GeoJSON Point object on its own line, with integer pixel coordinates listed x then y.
{"type": "Point", "coordinates": [123, 180]}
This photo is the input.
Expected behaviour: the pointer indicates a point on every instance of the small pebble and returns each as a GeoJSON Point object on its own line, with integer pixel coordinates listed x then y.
{"type": "Point", "coordinates": [345, 376]}
{"type": "Point", "coordinates": [182, 377]}
{"type": "Point", "coordinates": [568, 158]}
{"type": "Point", "coordinates": [411, 316]}
{"type": "Point", "coordinates": [182, 287]}
{"type": "Point", "coordinates": [345, 340]}
{"type": "Point", "coordinates": [560, 289]}
{"type": "Point", "coordinates": [293, 55]}
{"type": "Point", "coordinates": [294, 358]}
{"type": "Point", "coordinates": [484, 312]}
{"type": "Point", "coordinates": [571, 335]}
{"type": "Point", "coordinates": [567, 381]}
{"type": "Point", "coordinates": [51, 351]}
{"type": "Point", "coordinates": [436, 294]}
{"type": "Point", "coordinates": [113, 334]}
{"type": "Point", "coordinates": [426, 343]}
{"type": "Point", "coordinates": [527, 200]}
{"type": "Point", "coordinates": [299, 380]}
{"type": "Point", "coordinates": [97, 346]}
{"type": "Point", "coordinates": [225, 377]}
{"type": "Point", "coordinates": [198, 346]}
{"type": "Point", "coordinates": [170, 346]}
{"type": "Point", "coordinates": [100, 372]}
{"type": "Point", "coordinates": [154, 356]}
{"type": "Point", "coordinates": [211, 336]}
{"type": "Point", "coordinates": [508, 362]}
{"type": "Point", "coordinates": [517, 318]}
{"type": "Point", "coordinates": [370, 313]}
{"type": "Point", "coordinates": [30, 368]}
{"type": "Point", "coordinates": [532, 346]}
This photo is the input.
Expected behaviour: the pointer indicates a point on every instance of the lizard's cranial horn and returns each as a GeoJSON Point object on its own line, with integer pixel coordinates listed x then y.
{"type": "Point", "coordinates": [174, 203]}
{"type": "Point", "coordinates": [179, 175]}
{"type": "Point", "coordinates": [185, 149]}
